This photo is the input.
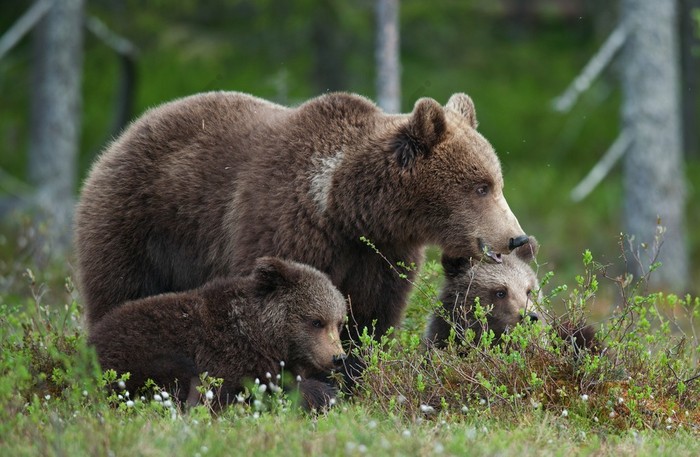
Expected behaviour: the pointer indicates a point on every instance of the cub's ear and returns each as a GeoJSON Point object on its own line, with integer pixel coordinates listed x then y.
{"type": "Point", "coordinates": [273, 273]}
{"type": "Point", "coordinates": [528, 251]}
{"type": "Point", "coordinates": [463, 105]}
{"type": "Point", "coordinates": [455, 266]}
{"type": "Point", "coordinates": [421, 134]}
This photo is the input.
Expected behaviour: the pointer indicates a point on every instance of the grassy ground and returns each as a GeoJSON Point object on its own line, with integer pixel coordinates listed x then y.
{"type": "Point", "coordinates": [532, 395]}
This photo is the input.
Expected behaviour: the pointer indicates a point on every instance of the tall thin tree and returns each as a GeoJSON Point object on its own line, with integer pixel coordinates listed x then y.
{"type": "Point", "coordinates": [55, 118]}
{"type": "Point", "coordinates": [387, 56]}
{"type": "Point", "coordinates": [654, 183]}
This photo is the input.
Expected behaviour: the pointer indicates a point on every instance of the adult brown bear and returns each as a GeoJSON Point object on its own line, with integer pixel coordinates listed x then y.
{"type": "Point", "coordinates": [202, 186]}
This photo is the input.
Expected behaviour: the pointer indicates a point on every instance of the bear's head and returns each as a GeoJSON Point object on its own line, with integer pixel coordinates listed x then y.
{"type": "Point", "coordinates": [455, 180]}
{"type": "Point", "coordinates": [311, 316]}
{"type": "Point", "coordinates": [506, 291]}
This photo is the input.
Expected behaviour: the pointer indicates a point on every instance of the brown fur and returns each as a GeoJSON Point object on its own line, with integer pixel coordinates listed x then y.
{"type": "Point", "coordinates": [507, 287]}
{"type": "Point", "coordinates": [202, 186]}
{"type": "Point", "coordinates": [236, 329]}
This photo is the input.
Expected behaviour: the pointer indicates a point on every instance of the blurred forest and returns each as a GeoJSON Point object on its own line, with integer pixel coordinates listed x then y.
{"type": "Point", "coordinates": [512, 57]}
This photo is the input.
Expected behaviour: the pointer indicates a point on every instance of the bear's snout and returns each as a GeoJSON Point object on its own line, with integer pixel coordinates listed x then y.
{"type": "Point", "coordinates": [531, 317]}
{"type": "Point", "coordinates": [518, 241]}
{"type": "Point", "coordinates": [339, 359]}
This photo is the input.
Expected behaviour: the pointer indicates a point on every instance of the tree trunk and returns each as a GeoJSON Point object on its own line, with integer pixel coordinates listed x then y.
{"type": "Point", "coordinates": [690, 50]}
{"type": "Point", "coordinates": [655, 187]}
{"type": "Point", "coordinates": [388, 66]}
{"type": "Point", "coordinates": [55, 121]}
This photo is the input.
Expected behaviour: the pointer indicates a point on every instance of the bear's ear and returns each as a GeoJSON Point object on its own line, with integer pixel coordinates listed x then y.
{"type": "Point", "coordinates": [455, 266]}
{"type": "Point", "coordinates": [421, 134]}
{"type": "Point", "coordinates": [272, 273]}
{"type": "Point", "coordinates": [463, 105]}
{"type": "Point", "coordinates": [528, 251]}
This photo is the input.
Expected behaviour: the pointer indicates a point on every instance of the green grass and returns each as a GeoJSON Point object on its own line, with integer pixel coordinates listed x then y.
{"type": "Point", "coordinates": [531, 395]}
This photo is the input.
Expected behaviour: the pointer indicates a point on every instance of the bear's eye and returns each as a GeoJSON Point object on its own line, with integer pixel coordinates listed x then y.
{"type": "Point", "coordinates": [317, 323]}
{"type": "Point", "coordinates": [482, 190]}
{"type": "Point", "coordinates": [501, 293]}
{"type": "Point", "coordinates": [529, 292]}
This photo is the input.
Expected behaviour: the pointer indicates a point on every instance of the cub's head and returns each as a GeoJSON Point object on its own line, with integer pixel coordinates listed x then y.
{"type": "Point", "coordinates": [313, 313]}
{"type": "Point", "coordinates": [455, 181]}
{"type": "Point", "coordinates": [505, 290]}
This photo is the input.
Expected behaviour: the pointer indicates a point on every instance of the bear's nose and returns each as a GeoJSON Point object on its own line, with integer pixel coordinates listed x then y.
{"type": "Point", "coordinates": [339, 359]}
{"type": "Point", "coordinates": [532, 317]}
{"type": "Point", "coordinates": [517, 242]}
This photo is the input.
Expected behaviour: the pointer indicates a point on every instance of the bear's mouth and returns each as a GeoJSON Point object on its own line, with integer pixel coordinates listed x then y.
{"type": "Point", "coordinates": [488, 252]}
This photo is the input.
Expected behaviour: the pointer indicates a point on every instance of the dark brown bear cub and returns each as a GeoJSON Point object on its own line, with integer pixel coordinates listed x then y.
{"type": "Point", "coordinates": [505, 290]}
{"type": "Point", "coordinates": [237, 329]}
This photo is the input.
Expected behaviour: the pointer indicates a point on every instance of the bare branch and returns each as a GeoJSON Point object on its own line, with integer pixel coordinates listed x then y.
{"type": "Point", "coordinates": [119, 44]}
{"type": "Point", "coordinates": [603, 167]}
{"type": "Point", "coordinates": [23, 25]}
{"type": "Point", "coordinates": [592, 70]}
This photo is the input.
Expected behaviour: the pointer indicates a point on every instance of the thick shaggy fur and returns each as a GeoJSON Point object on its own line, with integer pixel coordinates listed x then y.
{"type": "Point", "coordinates": [236, 329]}
{"type": "Point", "coordinates": [507, 289]}
{"type": "Point", "coordinates": [202, 186]}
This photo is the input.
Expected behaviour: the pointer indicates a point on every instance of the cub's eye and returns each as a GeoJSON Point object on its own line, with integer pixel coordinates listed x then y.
{"type": "Point", "coordinates": [482, 190]}
{"type": "Point", "coordinates": [317, 323]}
{"type": "Point", "coordinates": [501, 293]}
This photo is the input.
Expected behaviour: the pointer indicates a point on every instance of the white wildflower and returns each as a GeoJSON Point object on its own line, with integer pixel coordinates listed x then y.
{"type": "Point", "coordinates": [85, 393]}
{"type": "Point", "coordinates": [439, 448]}
{"type": "Point", "coordinates": [406, 433]}
{"type": "Point", "coordinates": [122, 385]}
{"type": "Point", "coordinates": [165, 395]}
{"type": "Point", "coordinates": [262, 388]}
{"type": "Point", "coordinates": [268, 375]}
{"type": "Point", "coordinates": [362, 449]}
{"type": "Point", "coordinates": [168, 403]}
{"type": "Point", "coordinates": [209, 395]}
{"type": "Point", "coordinates": [620, 400]}
{"type": "Point", "coordinates": [565, 413]}
{"type": "Point", "coordinates": [331, 402]}
{"type": "Point", "coordinates": [129, 403]}
{"type": "Point", "coordinates": [584, 397]}
{"type": "Point", "coordinates": [298, 378]}
{"type": "Point", "coordinates": [465, 408]}
{"type": "Point", "coordinates": [282, 363]}
{"type": "Point", "coordinates": [47, 397]}
{"type": "Point", "coordinates": [157, 397]}
{"type": "Point", "coordinates": [257, 381]}
{"type": "Point", "coordinates": [401, 399]}
{"type": "Point", "coordinates": [427, 409]}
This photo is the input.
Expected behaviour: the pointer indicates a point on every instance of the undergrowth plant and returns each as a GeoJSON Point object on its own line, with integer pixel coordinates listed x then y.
{"type": "Point", "coordinates": [640, 371]}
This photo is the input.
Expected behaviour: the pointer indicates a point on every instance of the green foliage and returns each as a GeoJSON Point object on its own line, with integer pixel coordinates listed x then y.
{"type": "Point", "coordinates": [637, 387]}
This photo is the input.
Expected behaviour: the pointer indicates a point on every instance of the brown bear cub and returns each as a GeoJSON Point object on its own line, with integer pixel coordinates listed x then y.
{"type": "Point", "coordinates": [200, 187]}
{"type": "Point", "coordinates": [504, 290]}
{"type": "Point", "coordinates": [237, 329]}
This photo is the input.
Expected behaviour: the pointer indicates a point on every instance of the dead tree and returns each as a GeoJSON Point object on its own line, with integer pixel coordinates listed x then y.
{"type": "Point", "coordinates": [651, 141]}
{"type": "Point", "coordinates": [55, 119]}
{"type": "Point", "coordinates": [654, 183]}
{"type": "Point", "coordinates": [387, 56]}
